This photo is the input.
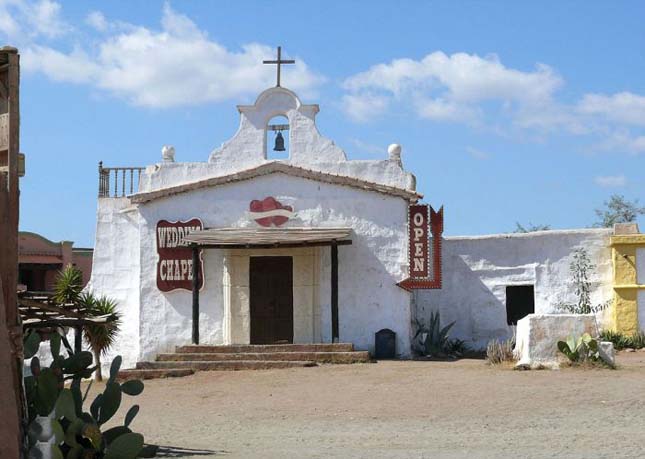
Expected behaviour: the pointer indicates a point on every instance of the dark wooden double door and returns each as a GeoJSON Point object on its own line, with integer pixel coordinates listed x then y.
{"type": "Point", "coordinates": [271, 301]}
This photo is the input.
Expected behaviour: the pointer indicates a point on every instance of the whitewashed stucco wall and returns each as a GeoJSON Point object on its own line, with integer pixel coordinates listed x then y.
{"type": "Point", "coordinates": [115, 271]}
{"type": "Point", "coordinates": [368, 269]}
{"type": "Point", "coordinates": [476, 271]}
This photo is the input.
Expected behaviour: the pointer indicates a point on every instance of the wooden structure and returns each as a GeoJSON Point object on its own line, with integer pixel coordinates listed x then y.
{"type": "Point", "coordinates": [12, 398]}
{"type": "Point", "coordinates": [39, 311]}
{"type": "Point", "coordinates": [265, 238]}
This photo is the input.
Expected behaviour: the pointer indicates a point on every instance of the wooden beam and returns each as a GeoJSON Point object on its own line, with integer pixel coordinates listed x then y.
{"type": "Point", "coordinates": [334, 293]}
{"type": "Point", "coordinates": [196, 274]}
{"type": "Point", "coordinates": [298, 245]}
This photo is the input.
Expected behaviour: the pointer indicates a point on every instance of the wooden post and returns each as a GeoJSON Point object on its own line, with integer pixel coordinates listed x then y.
{"type": "Point", "coordinates": [196, 275]}
{"type": "Point", "coordinates": [78, 339]}
{"type": "Point", "coordinates": [12, 401]}
{"type": "Point", "coordinates": [334, 292]}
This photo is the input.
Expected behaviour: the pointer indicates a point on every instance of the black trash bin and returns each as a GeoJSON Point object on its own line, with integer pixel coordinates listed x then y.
{"type": "Point", "coordinates": [385, 344]}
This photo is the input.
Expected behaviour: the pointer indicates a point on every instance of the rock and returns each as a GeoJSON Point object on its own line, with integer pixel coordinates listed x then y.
{"type": "Point", "coordinates": [607, 353]}
{"type": "Point", "coordinates": [537, 337]}
{"type": "Point", "coordinates": [629, 349]}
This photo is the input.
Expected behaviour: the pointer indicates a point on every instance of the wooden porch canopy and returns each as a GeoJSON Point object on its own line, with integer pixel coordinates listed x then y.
{"type": "Point", "coordinates": [259, 238]}
{"type": "Point", "coordinates": [268, 238]}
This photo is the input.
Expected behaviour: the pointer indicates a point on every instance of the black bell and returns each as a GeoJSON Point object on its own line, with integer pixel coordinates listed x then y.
{"type": "Point", "coordinates": [279, 142]}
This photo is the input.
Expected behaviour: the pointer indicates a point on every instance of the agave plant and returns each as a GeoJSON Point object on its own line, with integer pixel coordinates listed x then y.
{"type": "Point", "coordinates": [100, 337]}
{"type": "Point", "coordinates": [434, 339]}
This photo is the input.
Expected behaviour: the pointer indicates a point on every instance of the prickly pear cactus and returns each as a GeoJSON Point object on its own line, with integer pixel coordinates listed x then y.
{"type": "Point", "coordinates": [58, 425]}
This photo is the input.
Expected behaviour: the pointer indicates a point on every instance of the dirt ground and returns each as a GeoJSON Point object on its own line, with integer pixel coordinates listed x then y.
{"type": "Point", "coordinates": [399, 409]}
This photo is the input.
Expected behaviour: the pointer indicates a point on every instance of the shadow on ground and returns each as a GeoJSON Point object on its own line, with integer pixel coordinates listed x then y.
{"type": "Point", "coordinates": [172, 451]}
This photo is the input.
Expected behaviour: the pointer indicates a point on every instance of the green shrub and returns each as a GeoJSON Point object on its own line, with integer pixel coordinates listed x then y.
{"type": "Point", "coordinates": [623, 341]}
{"type": "Point", "coordinates": [638, 340]}
{"type": "Point", "coordinates": [457, 347]}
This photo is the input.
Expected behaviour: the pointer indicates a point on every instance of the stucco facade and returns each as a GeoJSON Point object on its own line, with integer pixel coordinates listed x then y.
{"type": "Point", "coordinates": [477, 271]}
{"type": "Point", "coordinates": [324, 189]}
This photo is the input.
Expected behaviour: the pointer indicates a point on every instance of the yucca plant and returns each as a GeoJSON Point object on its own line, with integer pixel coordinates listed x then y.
{"type": "Point", "coordinates": [100, 337]}
{"type": "Point", "coordinates": [69, 285]}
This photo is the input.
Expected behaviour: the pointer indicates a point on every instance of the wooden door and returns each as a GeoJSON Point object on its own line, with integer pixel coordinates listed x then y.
{"type": "Point", "coordinates": [271, 302]}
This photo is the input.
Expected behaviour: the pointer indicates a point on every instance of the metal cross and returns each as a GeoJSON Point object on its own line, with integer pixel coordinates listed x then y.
{"type": "Point", "coordinates": [279, 62]}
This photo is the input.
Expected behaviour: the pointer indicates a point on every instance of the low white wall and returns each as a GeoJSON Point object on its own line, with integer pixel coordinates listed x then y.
{"type": "Point", "coordinates": [115, 272]}
{"type": "Point", "coordinates": [477, 270]}
{"type": "Point", "coordinates": [538, 336]}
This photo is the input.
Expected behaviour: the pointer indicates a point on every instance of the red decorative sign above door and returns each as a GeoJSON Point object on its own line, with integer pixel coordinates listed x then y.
{"type": "Point", "coordinates": [175, 264]}
{"type": "Point", "coordinates": [270, 212]}
{"type": "Point", "coordinates": [418, 226]}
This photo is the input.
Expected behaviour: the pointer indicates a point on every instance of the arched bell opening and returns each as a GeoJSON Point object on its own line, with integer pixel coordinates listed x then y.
{"type": "Point", "coordinates": [277, 138]}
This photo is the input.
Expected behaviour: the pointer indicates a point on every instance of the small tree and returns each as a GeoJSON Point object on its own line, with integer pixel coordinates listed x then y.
{"type": "Point", "coordinates": [530, 228]}
{"type": "Point", "coordinates": [618, 210]}
{"type": "Point", "coordinates": [100, 337]}
{"type": "Point", "coordinates": [581, 268]}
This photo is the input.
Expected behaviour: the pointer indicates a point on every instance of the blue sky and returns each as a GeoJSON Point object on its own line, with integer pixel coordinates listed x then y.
{"type": "Point", "coordinates": [507, 111]}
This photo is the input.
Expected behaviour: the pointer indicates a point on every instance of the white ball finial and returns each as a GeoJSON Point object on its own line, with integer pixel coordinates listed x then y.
{"type": "Point", "coordinates": [394, 150]}
{"type": "Point", "coordinates": [168, 153]}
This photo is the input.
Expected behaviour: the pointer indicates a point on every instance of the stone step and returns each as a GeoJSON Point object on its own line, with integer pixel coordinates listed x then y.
{"type": "Point", "coordinates": [320, 357]}
{"type": "Point", "coordinates": [225, 365]}
{"type": "Point", "coordinates": [126, 375]}
{"type": "Point", "coordinates": [257, 348]}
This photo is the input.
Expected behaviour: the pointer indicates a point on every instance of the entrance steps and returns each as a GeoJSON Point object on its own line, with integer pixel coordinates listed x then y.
{"type": "Point", "coordinates": [188, 359]}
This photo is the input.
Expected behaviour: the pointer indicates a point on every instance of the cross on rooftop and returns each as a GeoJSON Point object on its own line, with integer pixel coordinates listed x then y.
{"type": "Point", "coordinates": [279, 62]}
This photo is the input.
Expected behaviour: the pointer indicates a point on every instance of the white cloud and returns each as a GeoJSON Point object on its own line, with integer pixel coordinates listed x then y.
{"type": "Point", "coordinates": [21, 20]}
{"type": "Point", "coordinates": [451, 87]}
{"type": "Point", "coordinates": [363, 107]}
{"type": "Point", "coordinates": [483, 92]}
{"type": "Point", "coordinates": [611, 181]}
{"type": "Point", "coordinates": [446, 110]}
{"type": "Point", "coordinates": [174, 66]}
{"type": "Point", "coordinates": [623, 141]}
{"type": "Point", "coordinates": [97, 20]}
{"type": "Point", "coordinates": [623, 107]}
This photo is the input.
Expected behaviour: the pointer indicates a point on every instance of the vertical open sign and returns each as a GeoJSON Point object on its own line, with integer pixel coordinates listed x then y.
{"type": "Point", "coordinates": [418, 237]}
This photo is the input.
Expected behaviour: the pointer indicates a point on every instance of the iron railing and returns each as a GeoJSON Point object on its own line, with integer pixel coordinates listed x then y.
{"type": "Point", "coordinates": [115, 181]}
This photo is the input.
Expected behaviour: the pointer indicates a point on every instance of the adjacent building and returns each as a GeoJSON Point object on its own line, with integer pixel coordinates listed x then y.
{"type": "Point", "coordinates": [40, 260]}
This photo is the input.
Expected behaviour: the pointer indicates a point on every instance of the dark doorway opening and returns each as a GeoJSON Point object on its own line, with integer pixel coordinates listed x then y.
{"type": "Point", "coordinates": [520, 302]}
{"type": "Point", "coordinates": [271, 300]}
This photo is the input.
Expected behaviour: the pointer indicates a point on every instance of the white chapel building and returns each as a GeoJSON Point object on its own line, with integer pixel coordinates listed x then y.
{"type": "Point", "coordinates": [306, 247]}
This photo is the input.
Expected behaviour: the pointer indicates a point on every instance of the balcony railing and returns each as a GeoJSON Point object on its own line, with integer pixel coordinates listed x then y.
{"type": "Point", "coordinates": [116, 182]}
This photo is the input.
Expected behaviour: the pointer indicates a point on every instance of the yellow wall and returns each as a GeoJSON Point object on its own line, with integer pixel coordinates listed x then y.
{"type": "Point", "coordinates": [624, 310]}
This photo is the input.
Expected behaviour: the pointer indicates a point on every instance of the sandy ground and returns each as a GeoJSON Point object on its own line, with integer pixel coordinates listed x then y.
{"type": "Point", "coordinates": [461, 409]}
